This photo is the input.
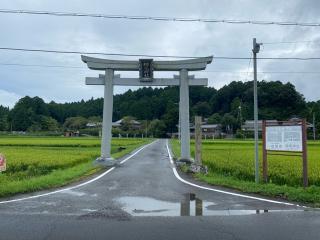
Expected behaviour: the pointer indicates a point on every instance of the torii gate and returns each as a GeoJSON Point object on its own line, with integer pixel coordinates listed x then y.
{"type": "Point", "coordinates": [146, 68]}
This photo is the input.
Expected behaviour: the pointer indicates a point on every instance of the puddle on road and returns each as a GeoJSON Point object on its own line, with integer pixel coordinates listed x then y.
{"type": "Point", "coordinates": [190, 206]}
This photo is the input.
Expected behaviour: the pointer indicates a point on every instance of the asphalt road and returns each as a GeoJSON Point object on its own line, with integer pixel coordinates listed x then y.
{"type": "Point", "coordinates": [143, 199]}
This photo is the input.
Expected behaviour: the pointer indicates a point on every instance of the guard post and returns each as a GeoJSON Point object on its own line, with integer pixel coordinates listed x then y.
{"type": "Point", "coordinates": [198, 139]}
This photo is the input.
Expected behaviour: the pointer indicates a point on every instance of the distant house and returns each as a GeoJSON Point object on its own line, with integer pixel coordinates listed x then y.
{"type": "Point", "coordinates": [249, 124]}
{"type": "Point", "coordinates": [71, 133]}
{"type": "Point", "coordinates": [309, 125]}
{"type": "Point", "coordinates": [93, 124]}
{"type": "Point", "coordinates": [133, 123]}
{"type": "Point", "coordinates": [208, 130]}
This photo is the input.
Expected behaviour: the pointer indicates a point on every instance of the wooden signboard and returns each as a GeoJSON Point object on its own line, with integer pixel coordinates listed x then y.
{"type": "Point", "coordinates": [286, 138]}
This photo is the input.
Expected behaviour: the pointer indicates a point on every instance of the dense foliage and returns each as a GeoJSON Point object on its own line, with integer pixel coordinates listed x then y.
{"type": "Point", "coordinates": [229, 106]}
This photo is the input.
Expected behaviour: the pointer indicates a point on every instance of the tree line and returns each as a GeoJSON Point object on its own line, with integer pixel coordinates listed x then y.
{"type": "Point", "coordinates": [231, 105]}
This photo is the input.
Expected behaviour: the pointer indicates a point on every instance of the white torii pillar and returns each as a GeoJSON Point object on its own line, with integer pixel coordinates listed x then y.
{"type": "Point", "coordinates": [109, 80]}
{"type": "Point", "coordinates": [184, 115]}
{"type": "Point", "coordinates": [107, 116]}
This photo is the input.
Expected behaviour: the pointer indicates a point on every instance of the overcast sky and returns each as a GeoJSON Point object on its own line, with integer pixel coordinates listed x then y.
{"type": "Point", "coordinates": [153, 37]}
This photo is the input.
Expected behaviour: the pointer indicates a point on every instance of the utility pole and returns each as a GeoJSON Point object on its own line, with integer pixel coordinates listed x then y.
{"type": "Point", "coordinates": [179, 126]}
{"type": "Point", "coordinates": [255, 50]}
{"type": "Point", "coordinates": [240, 116]}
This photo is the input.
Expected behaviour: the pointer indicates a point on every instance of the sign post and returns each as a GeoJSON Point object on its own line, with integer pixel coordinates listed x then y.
{"type": "Point", "coordinates": [285, 138]}
{"type": "Point", "coordinates": [264, 153]}
{"type": "Point", "coordinates": [304, 153]}
{"type": "Point", "coordinates": [198, 139]}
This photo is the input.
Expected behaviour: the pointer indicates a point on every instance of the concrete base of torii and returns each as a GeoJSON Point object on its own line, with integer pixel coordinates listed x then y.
{"type": "Point", "coordinates": [185, 161]}
{"type": "Point", "coordinates": [105, 162]}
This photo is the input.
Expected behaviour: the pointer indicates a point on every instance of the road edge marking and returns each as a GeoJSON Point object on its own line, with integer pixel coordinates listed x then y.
{"type": "Point", "coordinates": [176, 174]}
{"type": "Point", "coordinates": [137, 151]}
{"type": "Point", "coordinates": [81, 184]}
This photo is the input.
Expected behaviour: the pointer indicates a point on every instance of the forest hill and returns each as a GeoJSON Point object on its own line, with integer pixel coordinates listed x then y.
{"type": "Point", "coordinates": [227, 106]}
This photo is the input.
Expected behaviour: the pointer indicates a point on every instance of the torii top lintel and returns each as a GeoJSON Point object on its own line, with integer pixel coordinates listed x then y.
{"type": "Point", "coordinates": [194, 64]}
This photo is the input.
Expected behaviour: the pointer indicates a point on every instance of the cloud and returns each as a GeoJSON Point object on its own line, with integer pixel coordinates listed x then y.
{"type": "Point", "coordinates": [155, 37]}
{"type": "Point", "coordinates": [8, 99]}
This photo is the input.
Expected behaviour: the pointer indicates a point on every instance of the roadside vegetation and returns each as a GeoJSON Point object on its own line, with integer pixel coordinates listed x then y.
{"type": "Point", "coordinates": [36, 163]}
{"type": "Point", "coordinates": [231, 164]}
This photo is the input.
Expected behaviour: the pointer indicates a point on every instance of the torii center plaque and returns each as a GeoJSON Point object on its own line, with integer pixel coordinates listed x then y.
{"type": "Point", "coordinates": [146, 70]}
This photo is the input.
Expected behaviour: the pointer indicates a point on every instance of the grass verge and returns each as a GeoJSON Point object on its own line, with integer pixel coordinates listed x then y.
{"type": "Point", "coordinates": [35, 164]}
{"type": "Point", "coordinates": [230, 179]}
{"type": "Point", "coordinates": [310, 195]}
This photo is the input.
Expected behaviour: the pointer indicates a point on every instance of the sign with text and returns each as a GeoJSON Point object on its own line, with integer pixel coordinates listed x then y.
{"type": "Point", "coordinates": [284, 138]}
{"type": "Point", "coordinates": [146, 70]}
{"type": "Point", "coordinates": [2, 163]}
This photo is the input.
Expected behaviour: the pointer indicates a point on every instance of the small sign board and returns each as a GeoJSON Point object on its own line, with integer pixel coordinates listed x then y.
{"type": "Point", "coordinates": [284, 138]}
{"type": "Point", "coordinates": [146, 70]}
{"type": "Point", "coordinates": [2, 163]}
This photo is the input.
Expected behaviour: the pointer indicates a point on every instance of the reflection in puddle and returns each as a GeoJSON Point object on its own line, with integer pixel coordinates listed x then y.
{"type": "Point", "coordinates": [190, 206]}
{"type": "Point", "coordinates": [192, 202]}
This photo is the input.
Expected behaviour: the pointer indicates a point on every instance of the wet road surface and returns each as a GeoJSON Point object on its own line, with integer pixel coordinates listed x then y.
{"type": "Point", "coordinates": [143, 199]}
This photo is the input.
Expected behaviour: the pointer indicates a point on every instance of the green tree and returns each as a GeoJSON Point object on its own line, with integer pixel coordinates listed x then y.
{"type": "Point", "coordinates": [276, 101]}
{"type": "Point", "coordinates": [49, 124]}
{"type": "Point", "coordinates": [4, 111]}
{"type": "Point", "coordinates": [26, 112]}
{"type": "Point", "coordinates": [229, 123]}
{"type": "Point", "coordinates": [95, 119]}
{"type": "Point", "coordinates": [215, 118]}
{"type": "Point", "coordinates": [21, 118]}
{"type": "Point", "coordinates": [127, 123]}
{"type": "Point", "coordinates": [171, 119]}
{"type": "Point", "coordinates": [75, 123]}
{"type": "Point", "coordinates": [157, 128]}
{"type": "Point", "coordinates": [202, 109]}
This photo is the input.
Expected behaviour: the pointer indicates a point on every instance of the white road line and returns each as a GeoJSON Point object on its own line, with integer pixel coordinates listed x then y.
{"type": "Point", "coordinates": [221, 191]}
{"type": "Point", "coordinates": [126, 159]}
{"type": "Point", "coordinates": [61, 190]}
{"type": "Point", "coordinates": [79, 185]}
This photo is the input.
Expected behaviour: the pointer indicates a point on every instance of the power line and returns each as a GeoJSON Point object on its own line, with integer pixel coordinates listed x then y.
{"type": "Point", "coordinates": [289, 42]}
{"type": "Point", "coordinates": [91, 53]}
{"type": "Point", "coordinates": [148, 55]}
{"type": "Point", "coordinates": [247, 73]}
{"type": "Point", "coordinates": [153, 18]}
{"type": "Point", "coordinates": [40, 65]}
{"type": "Point", "coordinates": [275, 72]}
{"type": "Point", "coordinates": [270, 58]}
{"type": "Point", "coordinates": [205, 71]}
